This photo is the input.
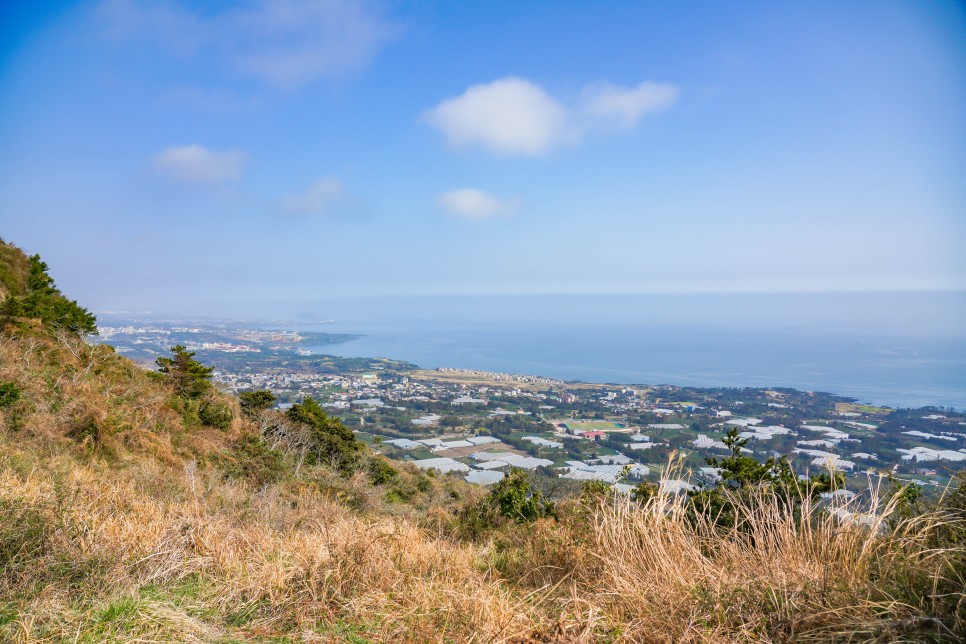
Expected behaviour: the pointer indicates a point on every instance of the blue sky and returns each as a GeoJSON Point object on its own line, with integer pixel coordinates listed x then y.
{"type": "Point", "coordinates": [160, 154]}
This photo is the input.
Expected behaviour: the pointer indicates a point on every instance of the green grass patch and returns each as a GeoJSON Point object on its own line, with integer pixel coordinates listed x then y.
{"type": "Point", "coordinates": [8, 614]}
{"type": "Point", "coordinates": [592, 425]}
{"type": "Point", "coordinates": [183, 591]}
{"type": "Point", "coordinates": [352, 633]}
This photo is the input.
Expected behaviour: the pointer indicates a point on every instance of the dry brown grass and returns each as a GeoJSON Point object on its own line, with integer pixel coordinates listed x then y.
{"type": "Point", "coordinates": [189, 555]}
{"type": "Point", "coordinates": [669, 577]}
{"type": "Point", "coordinates": [658, 573]}
{"type": "Point", "coordinates": [66, 381]}
{"type": "Point", "coordinates": [296, 560]}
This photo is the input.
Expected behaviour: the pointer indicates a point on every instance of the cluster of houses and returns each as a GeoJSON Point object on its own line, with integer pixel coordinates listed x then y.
{"type": "Point", "coordinates": [825, 446]}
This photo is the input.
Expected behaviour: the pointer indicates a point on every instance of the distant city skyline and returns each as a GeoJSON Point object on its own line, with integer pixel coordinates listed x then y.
{"type": "Point", "coordinates": [159, 154]}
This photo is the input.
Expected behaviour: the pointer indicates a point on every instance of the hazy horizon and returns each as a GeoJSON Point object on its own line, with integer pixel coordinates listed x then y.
{"type": "Point", "coordinates": [916, 314]}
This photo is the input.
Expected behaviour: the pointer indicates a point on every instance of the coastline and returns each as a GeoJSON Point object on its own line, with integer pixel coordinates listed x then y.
{"type": "Point", "coordinates": [877, 374]}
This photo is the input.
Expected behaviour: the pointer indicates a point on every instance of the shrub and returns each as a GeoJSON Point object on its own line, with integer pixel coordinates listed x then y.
{"type": "Point", "coordinates": [397, 495]}
{"type": "Point", "coordinates": [9, 394]}
{"type": "Point", "coordinates": [187, 408]}
{"type": "Point", "coordinates": [330, 440]}
{"type": "Point", "coordinates": [595, 491]}
{"type": "Point", "coordinates": [381, 472]}
{"type": "Point", "coordinates": [216, 414]}
{"type": "Point", "coordinates": [908, 501]}
{"type": "Point", "coordinates": [936, 590]}
{"type": "Point", "coordinates": [515, 497]}
{"type": "Point", "coordinates": [86, 429]}
{"type": "Point", "coordinates": [256, 461]}
{"type": "Point", "coordinates": [254, 401]}
{"type": "Point", "coordinates": [424, 483]}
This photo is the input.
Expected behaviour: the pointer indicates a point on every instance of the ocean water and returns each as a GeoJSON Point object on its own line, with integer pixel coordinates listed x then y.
{"type": "Point", "coordinates": [901, 351]}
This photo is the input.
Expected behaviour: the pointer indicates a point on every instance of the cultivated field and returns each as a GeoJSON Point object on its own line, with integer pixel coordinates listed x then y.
{"type": "Point", "coordinates": [590, 425]}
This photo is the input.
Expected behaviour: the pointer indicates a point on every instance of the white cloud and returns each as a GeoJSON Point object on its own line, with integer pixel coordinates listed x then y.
{"type": "Point", "coordinates": [288, 43]}
{"type": "Point", "coordinates": [196, 164]}
{"type": "Point", "coordinates": [510, 115]}
{"type": "Point", "coordinates": [320, 195]}
{"type": "Point", "coordinates": [627, 105]}
{"type": "Point", "coordinates": [471, 203]}
{"type": "Point", "coordinates": [515, 116]}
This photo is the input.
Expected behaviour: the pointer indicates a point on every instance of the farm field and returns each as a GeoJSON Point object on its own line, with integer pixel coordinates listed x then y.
{"type": "Point", "coordinates": [591, 425]}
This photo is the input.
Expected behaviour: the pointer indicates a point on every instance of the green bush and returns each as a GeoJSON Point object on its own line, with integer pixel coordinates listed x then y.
{"type": "Point", "coordinates": [595, 491]}
{"type": "Point", "coordinates": [515, 497]}
{"type": "Point", "coordinates": [331, 441]}
{"type": "Point", "coordinates": [187, 408]}
{"type": "Point", "coordinates": [86, 429]}
{"type": "Point", "coordinates": [216, 414]}
{"type": "Point", "coordinates": [9, 394]}
{"type": "Point", "coordinates": [402, 492]}
{"type": "Point", "coordinates": [424, 483]}
{"type": "Point", "coordinates": [645, 491]}
{"type": "Point", "coordinates": [381, 472]}
{"type": "Point", "coordinates": [254, 401]}
{"type": "Point", "coordinates": [252, 459]}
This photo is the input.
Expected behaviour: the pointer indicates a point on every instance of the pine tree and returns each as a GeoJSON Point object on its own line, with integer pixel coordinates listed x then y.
{"type": "Point", "coordinates": [191, 378]}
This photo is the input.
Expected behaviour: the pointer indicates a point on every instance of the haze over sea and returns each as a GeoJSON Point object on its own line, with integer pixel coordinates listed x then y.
{"type": "Point", "coordinates": [897, 349]}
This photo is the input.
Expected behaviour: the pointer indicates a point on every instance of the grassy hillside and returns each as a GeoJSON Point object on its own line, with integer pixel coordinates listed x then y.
{"type": "Point", "coordinates": [136, 508]}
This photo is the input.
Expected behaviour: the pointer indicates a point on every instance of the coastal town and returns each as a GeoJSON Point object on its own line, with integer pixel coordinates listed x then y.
{"type": "Point", "coordinates": [478, 425]}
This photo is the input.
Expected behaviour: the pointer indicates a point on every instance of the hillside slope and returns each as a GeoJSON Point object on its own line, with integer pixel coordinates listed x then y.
{"type": "Point", "coordinates": [124, 516]}
{"type": "Point", "coordinates": [137, 506]}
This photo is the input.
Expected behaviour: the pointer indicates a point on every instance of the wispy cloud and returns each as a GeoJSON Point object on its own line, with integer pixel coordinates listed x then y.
{"type": "Point", "coordinates": [286, 43]}
{"type": "Point", "coordinates": [197, 164]}
{"type": "Point", "coordinates": [627, 105]}
{"type": "Point", "coordinates": [316, 199]}
{"type": "Point", "coordinates": [470, 203]}
{"type": "Point", "coordinates": [516, 116]}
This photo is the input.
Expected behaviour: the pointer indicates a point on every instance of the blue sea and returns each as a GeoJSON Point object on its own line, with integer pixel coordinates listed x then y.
{"type": "Point", "coordinates": [905, 350]}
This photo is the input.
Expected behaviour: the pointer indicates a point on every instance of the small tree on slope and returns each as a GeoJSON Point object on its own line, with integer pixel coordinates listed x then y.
{"type": "Point", "coordinates": [191, 378]}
